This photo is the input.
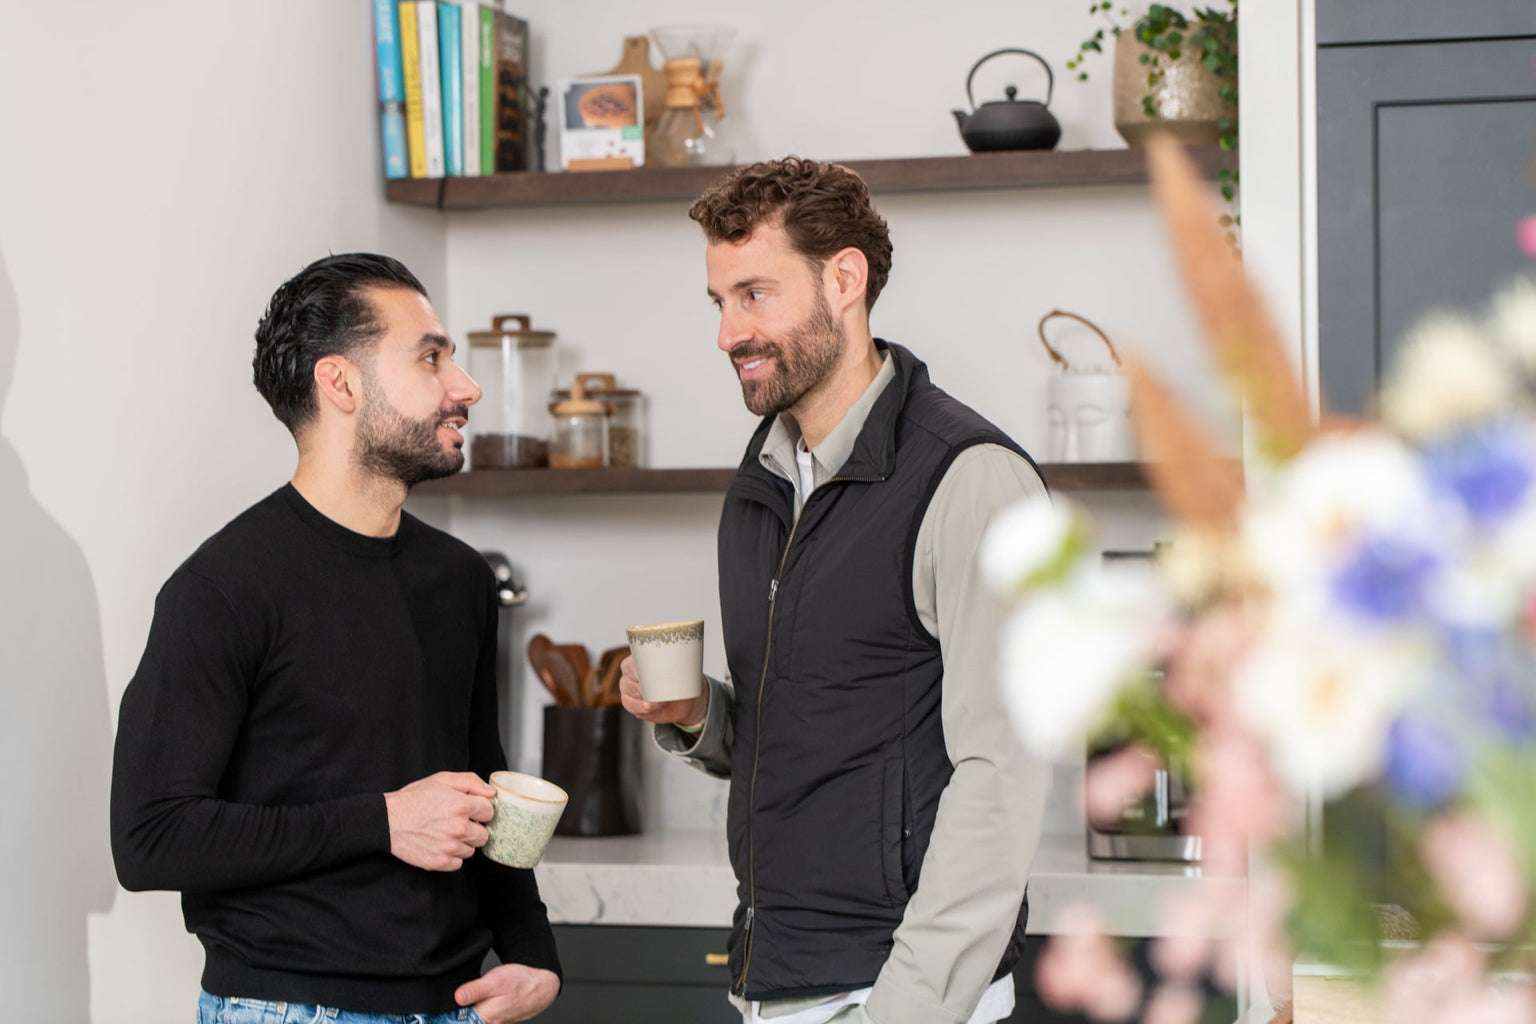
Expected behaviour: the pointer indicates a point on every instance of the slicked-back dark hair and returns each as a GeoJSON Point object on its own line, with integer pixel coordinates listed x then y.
{"type": "Point", "coordinates": [824, 209]}
{"type": "Point", "coordinates": [323, 310]}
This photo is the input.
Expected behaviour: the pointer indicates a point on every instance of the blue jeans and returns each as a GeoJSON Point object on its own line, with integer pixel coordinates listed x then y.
{"type": "Point", "coordinates": [212, 1009]}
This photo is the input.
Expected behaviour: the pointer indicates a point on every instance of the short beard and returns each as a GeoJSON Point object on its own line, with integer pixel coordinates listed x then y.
{"type": "Point", "coordinates": [393, 447]}
{"type": "Point", "coordinates": [805, 358]}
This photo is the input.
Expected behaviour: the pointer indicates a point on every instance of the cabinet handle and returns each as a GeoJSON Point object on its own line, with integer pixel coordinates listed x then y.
{"type": "Point", "coordinates": [716, 960]}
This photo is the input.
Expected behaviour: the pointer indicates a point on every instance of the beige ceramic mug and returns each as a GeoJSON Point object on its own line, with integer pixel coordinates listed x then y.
{"type": "Point", "coordinates": [527, 809]}
{"type": "Point", "coordinates": [669, 659]}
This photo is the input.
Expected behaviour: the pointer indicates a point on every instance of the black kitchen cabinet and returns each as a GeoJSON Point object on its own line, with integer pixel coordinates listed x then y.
{"type": "Point", "coordinates": [1424, 153]}
{"type": "Point", "coordinates": [1353, 21]}
{"type": "Point", "coordinates": [616, 974]}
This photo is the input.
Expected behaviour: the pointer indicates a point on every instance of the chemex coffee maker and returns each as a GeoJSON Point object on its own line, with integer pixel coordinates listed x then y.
{"type": "Point", "coordinates": [1152, 826]}
{"type": "Point", "coordinates": [688, 132]}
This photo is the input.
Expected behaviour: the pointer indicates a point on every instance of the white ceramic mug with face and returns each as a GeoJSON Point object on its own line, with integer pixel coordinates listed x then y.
{"type": "Point", "coordinates": [669, 659]}
{"type": "Point", "coordinates": [527, 810]}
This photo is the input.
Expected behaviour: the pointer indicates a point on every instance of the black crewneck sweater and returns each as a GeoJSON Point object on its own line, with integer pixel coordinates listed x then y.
{"type": "Point", "coordinates": [295, 672]}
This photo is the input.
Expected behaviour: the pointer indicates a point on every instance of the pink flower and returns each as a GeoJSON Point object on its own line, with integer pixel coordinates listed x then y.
{"type": "Point", "coordinates": [1525, 233]}
{"type": "Point", "coordinates": [1174, 1004]}
{"type": "Point", "coordinates": [1446, 984]}
{"type": "Point", "coordinates": [1478, 871]}
{"type": "Point", "coordinates": [1116, 780]}
{"type": "Point", "coordinates": [1081, 968]}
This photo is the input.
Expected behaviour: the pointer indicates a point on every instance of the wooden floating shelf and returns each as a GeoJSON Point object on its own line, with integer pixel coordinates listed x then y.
{"type": "Point", "coordinates": [518, 483]}
{"type": "Point", "coordinates": [1027, 169]}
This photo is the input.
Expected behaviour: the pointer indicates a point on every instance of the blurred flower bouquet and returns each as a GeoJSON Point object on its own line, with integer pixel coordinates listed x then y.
{"type": "Point", "coordinates": [1352, 627]}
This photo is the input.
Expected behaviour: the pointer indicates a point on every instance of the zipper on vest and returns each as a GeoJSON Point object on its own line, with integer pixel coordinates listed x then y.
{"type": "Point", "coordinates": [757, 748]}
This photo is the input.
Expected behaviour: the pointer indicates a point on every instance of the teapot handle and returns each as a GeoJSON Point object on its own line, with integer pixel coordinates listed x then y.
{"type": "Point", "coordinates": [1057, 357]}
{"type": "Point", "coordinates": [1050, 78]}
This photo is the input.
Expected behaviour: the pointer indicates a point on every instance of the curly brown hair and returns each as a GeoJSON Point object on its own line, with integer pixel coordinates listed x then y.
{"type": "Point", "coordinates": [824, 208]}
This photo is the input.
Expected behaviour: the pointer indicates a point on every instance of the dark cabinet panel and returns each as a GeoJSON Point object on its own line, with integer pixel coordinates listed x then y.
{"type": "Point", "coordinates": [1425, 155]}
{"type": "Point", "coordinates": [1357, 21]}
{"type": "Point", "coordinates": [640, 975]}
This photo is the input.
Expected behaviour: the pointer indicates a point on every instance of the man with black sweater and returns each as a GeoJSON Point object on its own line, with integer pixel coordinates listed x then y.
{"type": "Point", "coordinates": [303, 749]}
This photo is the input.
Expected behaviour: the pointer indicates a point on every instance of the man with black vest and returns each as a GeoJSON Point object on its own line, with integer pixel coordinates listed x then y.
{"type": "Point", "coordinates": [882, 815]}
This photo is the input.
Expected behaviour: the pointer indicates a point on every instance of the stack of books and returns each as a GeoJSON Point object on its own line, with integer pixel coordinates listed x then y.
{"type": "Point", "coordinates": [453, 88]}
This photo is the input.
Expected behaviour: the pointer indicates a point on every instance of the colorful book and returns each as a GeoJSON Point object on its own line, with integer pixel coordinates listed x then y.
{"type": "Point", "coordinates": [410, 63]}
{"type": "Point", "coordinates": [469, 54]}
{"type": "Point", "coordinates": [450, 38]}
{"type": "Point", "coordinates": [487, 91]}
{"type": "Point", "coordinates": [388, 68]}
{"type": "Point", "coordinates": [431, 86]}
{"type": "Point", "coordinates": [509, 41]}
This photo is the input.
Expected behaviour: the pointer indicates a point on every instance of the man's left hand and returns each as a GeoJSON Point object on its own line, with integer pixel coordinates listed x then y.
{"type": "Point", "coordinates": [510, 993]}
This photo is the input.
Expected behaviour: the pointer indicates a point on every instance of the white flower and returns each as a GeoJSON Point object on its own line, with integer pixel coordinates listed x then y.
{"type": "Point", "coordinates": [1446, 376]}
{"type": "Point", "coordinates": [1302, 522]}
{"type": "Point", "coordinates": [1513, 321]}
{"type": "Point", "coordinates": [1027, 542]}
{"type": "Point", "coordinates": [1066, 652]}
{"type": "Point", "coordinates": [1322, 696]}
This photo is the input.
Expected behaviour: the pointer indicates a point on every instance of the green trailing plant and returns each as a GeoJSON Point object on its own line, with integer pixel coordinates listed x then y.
{"type": "Point", "coordinates": [1168, 33]}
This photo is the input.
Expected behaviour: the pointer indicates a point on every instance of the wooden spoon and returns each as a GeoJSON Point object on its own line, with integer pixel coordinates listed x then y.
{"type": "Point", "coordinates": [554, 670]}
{"type": "Point", "coordinates": [608, 677]}
{"type": "Point", "coordinates": [580, 660]}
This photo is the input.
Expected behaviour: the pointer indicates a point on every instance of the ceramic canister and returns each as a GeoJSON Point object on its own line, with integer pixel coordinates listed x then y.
{"type": "Point", "coordinates": [1090, 417]}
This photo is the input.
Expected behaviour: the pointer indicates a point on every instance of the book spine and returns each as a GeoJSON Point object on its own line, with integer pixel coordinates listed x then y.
{"type": "Point", "coordinates": [450, 38]}
{"type": "Point", "coordinates": [511, 43]}
{"type": "Point", "coordinates": [431, 86]}
{"type": "Point", "coordinates": [386, 36]}
{"type": "Point", "coordinates": [469, 53]}
{"type": "Point", "coordinates": [487, 91]}
{"type": "Point", "coordinates": [410, 62]}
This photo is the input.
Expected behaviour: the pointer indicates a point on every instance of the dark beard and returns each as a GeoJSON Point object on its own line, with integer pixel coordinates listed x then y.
{"type": "Point", "coordinates": [394, 447]}
{"type": "Point", "coordinates": [803, 360]}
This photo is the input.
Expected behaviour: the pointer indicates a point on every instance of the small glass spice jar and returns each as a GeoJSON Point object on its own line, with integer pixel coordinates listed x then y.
{"type": "Point", "coordinates": [626, 418]}
{"type": "Point", "coordinates": [581, 429]}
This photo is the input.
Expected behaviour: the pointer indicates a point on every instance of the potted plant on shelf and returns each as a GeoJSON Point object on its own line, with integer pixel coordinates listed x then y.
{"type": "Point", "coordinates": [1176, 73]}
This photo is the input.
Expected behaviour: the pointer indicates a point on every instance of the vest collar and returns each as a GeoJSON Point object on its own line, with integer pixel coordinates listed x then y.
{"type": "Point", "coordinates": [874, 450]}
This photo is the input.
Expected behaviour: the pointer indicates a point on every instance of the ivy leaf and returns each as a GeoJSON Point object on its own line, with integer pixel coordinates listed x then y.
{"type": "Point", "coordinates": [1227, 192]}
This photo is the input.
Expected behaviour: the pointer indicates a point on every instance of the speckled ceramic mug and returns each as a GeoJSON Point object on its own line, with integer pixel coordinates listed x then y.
{"type": "Point", "coordinates": [527, 809]}
{"type": "Point", "coordinates": [669, 659]}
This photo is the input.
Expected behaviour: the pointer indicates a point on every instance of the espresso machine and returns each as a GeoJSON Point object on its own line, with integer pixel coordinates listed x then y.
{"type": "Point", "coordinates": [1151, 827]}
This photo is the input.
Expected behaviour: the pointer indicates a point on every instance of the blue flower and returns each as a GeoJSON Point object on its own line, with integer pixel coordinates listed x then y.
{"type": "Point", "coordinates": [1425, 764]}
{"type": "Point", "coordinates": [1488, 470]}
{"type": "Point", "coordinates": [1491, 681]}
{"type": "Point", "coordinates": [1386, 580]}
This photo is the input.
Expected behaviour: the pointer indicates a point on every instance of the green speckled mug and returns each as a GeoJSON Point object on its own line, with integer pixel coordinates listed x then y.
{"type": "Point", "coordinates": [527, 809]}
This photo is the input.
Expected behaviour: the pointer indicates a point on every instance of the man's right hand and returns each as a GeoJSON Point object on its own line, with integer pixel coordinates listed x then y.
{"type": "Point", "coordinates": [435, 823]}
{"type": "Point", "coordinates": [690, 712]}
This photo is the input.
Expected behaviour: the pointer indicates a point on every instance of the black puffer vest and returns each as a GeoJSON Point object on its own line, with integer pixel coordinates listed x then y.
{"type": "Point", "coordinates": [839, 758]}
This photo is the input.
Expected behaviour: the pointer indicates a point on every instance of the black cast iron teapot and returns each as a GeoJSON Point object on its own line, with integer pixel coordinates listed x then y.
{"type": "Point", "coordinates": [1011, 123]}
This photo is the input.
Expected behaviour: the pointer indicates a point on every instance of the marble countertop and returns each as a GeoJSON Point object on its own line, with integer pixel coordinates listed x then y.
{"type": "Point", "coordinates": [683, 878]}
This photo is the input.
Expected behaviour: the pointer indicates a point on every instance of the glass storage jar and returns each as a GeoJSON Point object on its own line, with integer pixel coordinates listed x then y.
{"type": "Point", "coordinates": [626, 418]}
{"type": "Point", "coordinates": [581, 430]}
{"type": "Point", "coordinates": [515, 368]}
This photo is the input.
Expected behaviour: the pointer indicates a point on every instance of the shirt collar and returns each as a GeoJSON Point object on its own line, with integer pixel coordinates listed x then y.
{"type": "Point", "coordinates": [778, 453]}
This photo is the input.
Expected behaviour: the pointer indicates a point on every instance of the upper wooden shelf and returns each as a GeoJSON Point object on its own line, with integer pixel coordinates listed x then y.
{"type": "Point", "coordinates": [1029, 169]}
{"type": "Point", "coordinates": [516, 483]}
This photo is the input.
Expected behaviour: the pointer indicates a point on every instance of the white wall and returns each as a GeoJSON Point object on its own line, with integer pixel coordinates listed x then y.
{"type": "Point", "coordinates": [166, 164]}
